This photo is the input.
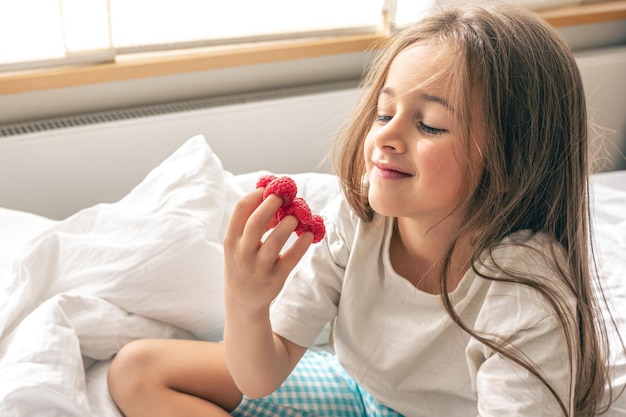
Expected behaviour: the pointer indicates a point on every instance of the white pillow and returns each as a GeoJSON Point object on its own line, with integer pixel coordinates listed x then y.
{"type": "Point", "coordinates": [149, 265]}
{"type": "Point", "coordinates": [156, 253]}
{"type": "Point", "coordinates": [16, 229]}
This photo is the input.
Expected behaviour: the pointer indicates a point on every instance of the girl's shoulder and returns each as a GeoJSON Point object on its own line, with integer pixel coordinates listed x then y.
{"type": "Point", "coordinates": [526, 253]}
{"type": "Point", "coordinates": [527, 274]}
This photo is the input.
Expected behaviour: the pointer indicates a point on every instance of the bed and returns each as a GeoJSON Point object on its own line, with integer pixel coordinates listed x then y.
{"type": "Point", "coordinates": [74, 290]}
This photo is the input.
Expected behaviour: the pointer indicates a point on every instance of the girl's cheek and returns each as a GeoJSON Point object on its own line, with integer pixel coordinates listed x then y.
{"type": "Point", "coordinates": [438, 164]}
{"type": "Point", "coordinates": [429, 158]}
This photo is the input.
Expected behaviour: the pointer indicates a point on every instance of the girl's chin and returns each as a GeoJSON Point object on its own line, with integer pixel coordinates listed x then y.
{"type": "Point", "coordinates": [382, 206]}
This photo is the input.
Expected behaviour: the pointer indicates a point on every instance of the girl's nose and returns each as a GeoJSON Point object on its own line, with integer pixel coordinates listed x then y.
{"type": "Point", "coordinates": [392, 135]}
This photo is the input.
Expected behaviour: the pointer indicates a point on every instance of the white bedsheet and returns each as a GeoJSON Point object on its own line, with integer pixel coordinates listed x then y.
{"type": "Point", "coordinates": [150, 265]}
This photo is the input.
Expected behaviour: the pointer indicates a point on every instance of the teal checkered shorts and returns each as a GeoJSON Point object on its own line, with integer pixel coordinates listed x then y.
{"type": "Point", "coordinates": [317, 387]}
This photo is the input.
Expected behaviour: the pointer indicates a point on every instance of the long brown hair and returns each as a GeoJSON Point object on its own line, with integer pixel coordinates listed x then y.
{"type": "Point", "coordinates": [535, 166]}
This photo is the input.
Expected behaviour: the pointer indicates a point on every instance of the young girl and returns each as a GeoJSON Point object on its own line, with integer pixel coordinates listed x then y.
{"type": "Point", "coordinates": [455, 265]}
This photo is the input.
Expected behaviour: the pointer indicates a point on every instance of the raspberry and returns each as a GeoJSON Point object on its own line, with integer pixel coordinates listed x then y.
{"type": "Point", "coordinates": [298, 208]}
{"type": "Point", "coordinates": [316, 226]}
{"type": "Point", "coordinates": [284, 187]}
{"type": "Point", "coordinates": [264, 180]}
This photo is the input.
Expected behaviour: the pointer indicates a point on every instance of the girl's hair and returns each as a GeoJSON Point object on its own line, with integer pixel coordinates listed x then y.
{"type": "Point", "coordinates": [534, 158]}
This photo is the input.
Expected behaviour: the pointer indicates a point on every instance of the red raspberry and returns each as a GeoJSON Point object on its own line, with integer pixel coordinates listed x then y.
{"type": "Point", "coordinates": [284, 187]}
{"type": "Point", "coordinates": [264, 180]}
{"type": "Point", "coordinates": [316, 225]}
{"type": "Point", "coordinates": [298, 208]}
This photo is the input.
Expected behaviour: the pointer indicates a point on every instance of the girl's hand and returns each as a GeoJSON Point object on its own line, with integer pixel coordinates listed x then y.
{"type": "Point", "coordinates": [256, 268]}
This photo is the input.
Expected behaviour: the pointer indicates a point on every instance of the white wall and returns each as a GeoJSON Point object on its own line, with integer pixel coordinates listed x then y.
{"type": "Point", "coordinates": [55, 173]}
{"type": "Point", "coordinates": [604, 75]}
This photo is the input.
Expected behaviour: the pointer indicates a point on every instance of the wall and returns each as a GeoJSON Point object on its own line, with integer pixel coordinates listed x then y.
{"type": "Point", "coordinates": [57, 172]}
{"type": "Point", "coordinates": [603, 71]}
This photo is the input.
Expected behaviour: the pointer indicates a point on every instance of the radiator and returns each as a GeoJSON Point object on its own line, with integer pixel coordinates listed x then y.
{"type": "Point", "coordinates": [58, 166]}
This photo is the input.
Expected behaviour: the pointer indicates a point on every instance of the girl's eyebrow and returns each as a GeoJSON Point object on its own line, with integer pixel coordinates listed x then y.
{"type": "Point", "coordinates": [388, 91]}
{"type": "Point", "coordinates": [437, 99]}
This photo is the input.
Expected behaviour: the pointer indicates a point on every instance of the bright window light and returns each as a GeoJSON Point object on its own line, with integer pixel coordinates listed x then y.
{"type": "Point", "coordinates": [149, 22]}
{"type": "Point", "coordinates": [408, 11]}
{"type": "Point", "coordinates": [86, 24]}
{"type": "Point", "coordinates": [30, 30]}
{"type": "Point", "coordinates": [36, 33]}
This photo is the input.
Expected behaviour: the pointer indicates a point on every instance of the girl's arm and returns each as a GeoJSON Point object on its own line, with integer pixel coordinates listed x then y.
{"type": "Point", "coordinates": [255, 271]}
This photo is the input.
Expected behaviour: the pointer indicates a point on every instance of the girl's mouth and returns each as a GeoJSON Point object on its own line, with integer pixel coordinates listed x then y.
{"type": "Point", "coordinates": [389, 172]}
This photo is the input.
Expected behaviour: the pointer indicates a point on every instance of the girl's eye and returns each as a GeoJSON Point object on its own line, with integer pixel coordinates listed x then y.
{"type": "Point", "coordinates": [428, 130]}
{"type": "Point", "coordinates": [432, 131]}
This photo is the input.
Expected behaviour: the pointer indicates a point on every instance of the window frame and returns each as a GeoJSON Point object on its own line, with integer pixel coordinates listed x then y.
{"type": "Point", "coordinates": [143, 65]}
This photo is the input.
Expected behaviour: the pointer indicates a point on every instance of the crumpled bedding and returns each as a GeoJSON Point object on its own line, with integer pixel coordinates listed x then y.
{"type": "Point", "coordinates": [150, 265]}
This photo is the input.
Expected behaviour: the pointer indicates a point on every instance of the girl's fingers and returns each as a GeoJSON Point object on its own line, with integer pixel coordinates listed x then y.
{"type": "Point", "coordinates": [260, 220]}
{"type": "Point", "coordinates": [242, 211]}
{"type": "Point", "coordinates": [278, 237]}
{"type": "Point", "coordinates": [278, 259]}
{"type": "Point", "coordinates": [252, 216]}
{"type": "Point", "coordinates": [292, 255]}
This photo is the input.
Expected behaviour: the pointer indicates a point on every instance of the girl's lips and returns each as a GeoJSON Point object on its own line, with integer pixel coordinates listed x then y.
{"type": "Point", "coordinates": [388, 171]}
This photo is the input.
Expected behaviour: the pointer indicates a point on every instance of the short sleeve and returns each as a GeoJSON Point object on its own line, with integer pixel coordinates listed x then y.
{"type": "Point", "coordinates": [506, 388]}
{"type": "Point", "coordinates": [311, 294]}
{"type": "Point", "coordinates": [529, 324]}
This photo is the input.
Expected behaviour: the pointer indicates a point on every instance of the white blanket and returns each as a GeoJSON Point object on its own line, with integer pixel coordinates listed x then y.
{"type": "Point", "coordinates": [150, 265]}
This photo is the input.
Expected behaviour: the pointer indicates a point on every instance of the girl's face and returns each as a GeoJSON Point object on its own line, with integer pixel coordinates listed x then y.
{"type": "Point", "coordinates": [413, 152]}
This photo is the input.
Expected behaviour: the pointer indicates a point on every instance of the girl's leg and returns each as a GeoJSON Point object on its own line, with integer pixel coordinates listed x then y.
{"type": "Point", "coordinates": [318, 386]}
{"type": "Point", "coordinates": [167, 377]}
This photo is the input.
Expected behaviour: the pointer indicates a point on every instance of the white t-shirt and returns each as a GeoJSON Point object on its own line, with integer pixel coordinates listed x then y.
{"type": "Point", "coordinates": [398, 342]}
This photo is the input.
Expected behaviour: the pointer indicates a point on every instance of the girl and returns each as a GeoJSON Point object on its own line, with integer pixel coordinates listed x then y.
{"type": "Point", "coordinates": [455, 265]}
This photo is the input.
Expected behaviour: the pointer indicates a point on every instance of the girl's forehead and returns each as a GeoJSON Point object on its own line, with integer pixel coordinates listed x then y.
{"type": "Point", "coordinates": [423, 66]}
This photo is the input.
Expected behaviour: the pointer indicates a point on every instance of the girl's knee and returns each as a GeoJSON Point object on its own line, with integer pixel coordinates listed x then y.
{"type": "Point", "coordinates": [146, 372]}
{"type": "Point", "coordinates": [132, 369]}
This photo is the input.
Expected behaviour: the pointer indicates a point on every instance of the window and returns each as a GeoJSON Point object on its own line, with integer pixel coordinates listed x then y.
{"type": "Point", "coordinates": [36, 33]}
{"type": "Point", "coordinates": [219, 21]}
{"type": "Point", "coordinates": [44, 33]}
